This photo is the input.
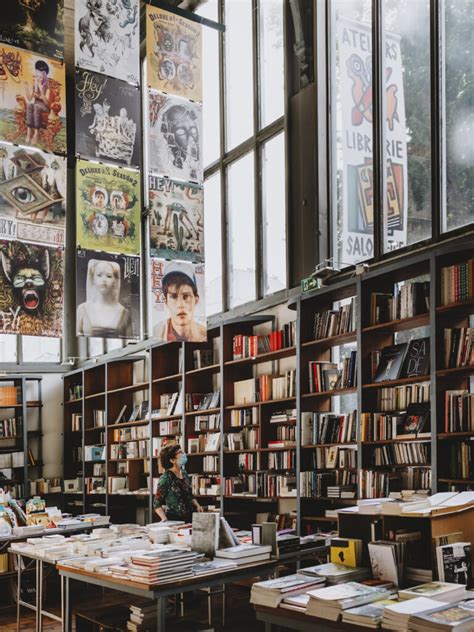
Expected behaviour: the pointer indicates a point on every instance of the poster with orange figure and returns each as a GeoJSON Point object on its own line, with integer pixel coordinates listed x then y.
{"type": "Point", "coordinates": [32, 100]}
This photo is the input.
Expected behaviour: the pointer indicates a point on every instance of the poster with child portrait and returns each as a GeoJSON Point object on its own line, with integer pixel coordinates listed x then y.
{"type": "Point", "coordinates": [107, 208]}
{"type": "Point", "coordinates": [31, 289]}
{"type": "Point", "coordinates": [32, 100]}
{"type": "Point", "coordinates": [107, 295]}
{"type": "Point", "coordinates": [174, 54]}
{"type": "Point", "coordinates": [176, 219]}
{"type": "Point", "coordinates": [177, 301]}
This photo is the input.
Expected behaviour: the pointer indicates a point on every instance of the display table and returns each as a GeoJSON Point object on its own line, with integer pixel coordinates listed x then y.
{"type": "Point", "coordinates": [300, 621]}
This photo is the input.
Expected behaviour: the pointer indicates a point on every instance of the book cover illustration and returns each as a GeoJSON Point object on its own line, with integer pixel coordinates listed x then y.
{"type": "Point", "coordinates": [454, 563]}
{"type": "Point", "coordinates": [32, 99]}
{"type": "Point", "coordinates": [107, 37]}
{"type": "Point", "coordinates": [108, 119]}
{"type": "Point", "coordinates": [415, 420]}
{"type": "Point", "coordinates": [107, 208]}
{"type": "Point", "coordinates": [391, 362]}
{"type": "Point", "coordinates": [32, 282]}
{"type": "Point", "coordinates": [176, 220]}
{"type": "Point", "coordinates": [417, 358]}
{"type": "Point", "coordinates": [32, 195]}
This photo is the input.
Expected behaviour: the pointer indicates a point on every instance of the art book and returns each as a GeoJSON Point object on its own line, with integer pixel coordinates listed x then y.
{"type": "Point", "coordinates": [454, 562]}
{"type": "Point", "coordinates": [417, 358]}
{"type": "Point", "coordinates": [391, 362]}
{"type": "Point", "coordinates": [108, 119]}
{"type": "Point", "coordinates": [415, 421]}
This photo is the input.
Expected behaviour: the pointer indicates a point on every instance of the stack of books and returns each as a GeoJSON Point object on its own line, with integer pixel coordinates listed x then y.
{"type": "Point", "coordinates": [142, 618]}
{"type": "Point", "coordinates": [458, 617]}
{"type": "Point", "coordinates": [337, 573]}
{"type": "Point", "coordinates": [368, 616]}
{"type": "Point", "coordinates": [440, 591]}
{"type": "Point", "coordinates": [458, 347]}
{"type": "Point", "coordinates": [272, 592]}
{"type": "Point", "coordinates": [153, 567]}
{"type": "Point", "coordinates": [245, 553]}
{"type": "Point", "coordinates": [457, 282]}
{"type": "Point", "coordinates": [397, 617]}
{"type": "Point", "coordinates": [330, 602]}
{"type": "Point", "coordinates": [288, 543]}
{"type": "Point", "coordinates": [335, 322]}
{"type": "Point", "coordinates": [213, 566]}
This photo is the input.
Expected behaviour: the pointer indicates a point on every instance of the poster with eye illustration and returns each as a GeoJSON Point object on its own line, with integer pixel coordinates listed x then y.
{"type": "Point", "coordinates": [107, 295]}
{"type": "Point", "coordinates": [174, 54]}
{"type": "Point", "coordinates": [32, 100]}
{"type": "Point", "coordinates": [108, 208]}
{"type": "Point", "coordinates": [32, 195]}
{"type": "Point", "coordinates": [176, 219]}
{"type": "Point", "coordinates": [37, 25]}
{"type": "Point", "coordinates": [107, 39]}
{"type": "Point", "coordinates": [108, 119]}
{"type": "Point", "coordinates": [174, 137]}
{"type": "Point", "coordinates": [31, 289]}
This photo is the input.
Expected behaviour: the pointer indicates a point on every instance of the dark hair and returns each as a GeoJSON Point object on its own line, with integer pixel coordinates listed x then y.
{"type": "Point", "coordinates": [42, 66]}
{"type": "Point", "coordinates": [178, 279]}
{"type": "Point", "coordinates": [167, 453]}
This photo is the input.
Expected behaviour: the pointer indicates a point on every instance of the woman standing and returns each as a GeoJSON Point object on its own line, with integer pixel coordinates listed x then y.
{"type": "Point", "coordinates": [174, 498]}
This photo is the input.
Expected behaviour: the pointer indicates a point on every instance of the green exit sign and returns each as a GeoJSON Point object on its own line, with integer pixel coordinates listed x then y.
{"type": "Point", "coordinates": [310, 283]}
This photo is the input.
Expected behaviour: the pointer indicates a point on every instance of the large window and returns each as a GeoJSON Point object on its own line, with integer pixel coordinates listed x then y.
{"type": "Point", "coordinates": [213, 245]}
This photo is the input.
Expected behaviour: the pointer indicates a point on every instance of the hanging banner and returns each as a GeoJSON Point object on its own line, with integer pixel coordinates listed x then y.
{"type": "Point", "coordinates": [174, 54]}
{"type": "Point", "coordinates": [108, 208]}
{"type": "Point", "coordinates": [107, 37]}
{"type": "Point", "coordinates": [32, 100]}
{"type": "Point", "coordinates": [32, 283]}
{"type": "Point", "coordinates": [108, 119]}
{"type": "Point", "coordinates": [107, 295]}
{"type": "Point", "coordinates": [32, 195]}
{"type": "Point", "coordinates": [177, 301]}
{"type": "Point", "coordinates": [37, 25]}
{"type": "Point", "coordinates": [176, 220]}
{"type": "Point", "coordinates": [174, 137]}
{"type": "Point", "coordinates": [355, 60]}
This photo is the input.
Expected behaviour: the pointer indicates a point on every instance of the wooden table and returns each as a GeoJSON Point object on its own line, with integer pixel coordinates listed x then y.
{"type": "Point", "coordinates": [156, 592]}
{"type": "Point", "coordinates": [300, 621]}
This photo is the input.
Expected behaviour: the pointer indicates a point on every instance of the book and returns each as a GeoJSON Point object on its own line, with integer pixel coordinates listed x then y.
{"type": "Point", "coordinates": [329, 602]}
{"type": "Point", "coordinates": [271, 592]}
{"type": "Point", "coordinates": [415, 421]}
{"type": "Point", "coordinates": [121, 414]}
{"type": "Point", "coordinates": [346, 551]}
{"type": "Point", "coordinates": [205, 533]}
{"type": "Point", "coordinates": [397, 616]}
{"type": "Point", "coordinates": [367, 616]}
{"type": "Point", "coordinates": [417, 358]}
{"type": "Point", "coordinates": [440, 591]}
{"type": "Point", "coordinates": [391, 362]}
{"type": "Point", "coordinates": [384, 561]}
{"type": "Point", "coordinates": [244, 551]}
{"type": "Point", "coordinates": [454, 562]}
{"type": "Point", "coordinates": [458, 617]}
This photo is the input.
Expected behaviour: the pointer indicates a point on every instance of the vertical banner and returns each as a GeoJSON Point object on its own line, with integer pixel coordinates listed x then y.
{"type": "Point", "coordinates": [355, 62]}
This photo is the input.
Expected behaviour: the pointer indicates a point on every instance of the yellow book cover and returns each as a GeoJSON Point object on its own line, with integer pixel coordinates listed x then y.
{"type": "Point", "coordinates": [344, 551]}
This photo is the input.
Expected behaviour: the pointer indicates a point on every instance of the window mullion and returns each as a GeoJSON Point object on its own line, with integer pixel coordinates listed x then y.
{"type": "Point", "coordinates": [259, 272]}
{"type": "Point", "coordinates": [378, 111]}
{"type": "Point", "coordinates": [437, 119]}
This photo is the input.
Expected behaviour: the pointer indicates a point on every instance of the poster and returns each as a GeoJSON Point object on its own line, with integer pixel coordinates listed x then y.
{"type": "Point", "coordinates": [177, 301]}
{"type": "Point", "coordinates": [174, 54]}
{"type": "Point", "coordinates": [107, 295]}
{"type": "Point", "coordinates": [36, 25]}
{"type": "Point", "coordinates": [32, 100]}
{"type": "Point", "coordinates": [31, 289]}
{"type": "Point", "coordinates": [176, 219]}
{"type": "Point", "coordinates": [353, 40]}
{"type": "Point", "coordinates": [174, 137]}
{"type": "Point", "coordinates": [108, 208]}
{"type": "Point", "coordinates": [32, 195]}
{"type": "Point", "coordinates": [107, 37]}
{"type": "Point", "coordinates": [108, 119]}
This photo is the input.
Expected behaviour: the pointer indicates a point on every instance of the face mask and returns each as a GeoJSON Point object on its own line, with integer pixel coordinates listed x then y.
{"type": "Point", "coordinates": [182, 460]}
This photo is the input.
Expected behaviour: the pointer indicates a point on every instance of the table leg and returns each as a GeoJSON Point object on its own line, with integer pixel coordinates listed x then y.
{"type": "Point", "coordinates": [18, 592]}
{"type": "Point", "coordinates": [39, 592]}
{"type": "Point", "coordinates": [37, 587]}
{"type": "Point", "coordinates": [268, 627]}
{"type": "Point", "coordinates": [62, 602]}
{"type": "Point", "coordinates": [66, 607]}
{"type": "Point", "coordinates": [161, 614]}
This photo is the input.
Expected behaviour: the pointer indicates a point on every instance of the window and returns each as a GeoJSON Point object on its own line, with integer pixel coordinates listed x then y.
{"type": "Point", "coordinates": [39, 349]}
{"type": "Point", "coordinates": [8, 348]}
{"type": "Point", "coordinates": [212, 244]}
{"type": "Point", "coordinates": [271, 61]}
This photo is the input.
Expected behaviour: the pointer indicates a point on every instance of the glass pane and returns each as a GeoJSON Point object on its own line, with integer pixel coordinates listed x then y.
{"type": "Point", "coordinates": [212, 244]}
{"type": "Point", "coordinates": [274, 216]}
{"type": "Point", "coordinates": [96, 346]}
{"type": "Point", "coordinates": [459, 113]}
{"type": "Point", "coordinates": [239, 75]}
{"type": "Point", "coordinates": [113, 343]}
{"type": "Point", "coordinates": [271, 60]}
{"type": "Point", "coordinates": [241, 238]}
{"type": "Point", "coordinates": [408, 123]}
{"type": "Point", "coordinates": [39, 349]}
{"type": "Point", "coordinates": [7, 348]}
{"type": "Point", "coordinates": [210, 79]}
{"type": "Point", "coordinates": [351, 69]}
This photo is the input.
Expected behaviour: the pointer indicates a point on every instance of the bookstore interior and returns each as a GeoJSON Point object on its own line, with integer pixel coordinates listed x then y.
{"type": "Point", "coordinates": [236, 315]}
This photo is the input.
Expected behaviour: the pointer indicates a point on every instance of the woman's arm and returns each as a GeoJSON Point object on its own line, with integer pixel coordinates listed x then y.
{"type": "Point", "coordinates": [159, 501]}
{"type": "Point", "coordinates": [199, 509]}
{"type": "Point", "coordinates": [160, 513]}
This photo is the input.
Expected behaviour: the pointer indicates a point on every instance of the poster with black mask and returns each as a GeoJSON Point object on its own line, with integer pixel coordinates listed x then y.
{"type": "Point", "coordinates": [108, 119]}
{"type": "Point", "coordinates": [36, 25]}
{"type": "Point", "coordinates": [31, 289]}
{"type": "Point", "coordinates": [107, 295]}
{"type": "Point", "coordinates": [174, 137]}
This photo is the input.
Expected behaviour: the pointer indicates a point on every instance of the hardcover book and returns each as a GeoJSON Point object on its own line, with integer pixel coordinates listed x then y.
{"type": "Point", "coordinates": [417, 358]}
{"type": "Point", "coordinates": [391, 362]}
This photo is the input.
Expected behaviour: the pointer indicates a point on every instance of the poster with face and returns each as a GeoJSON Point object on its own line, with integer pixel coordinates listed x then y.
{"type": "Point", "coordinates": [32, 100]}
{"type": "Point", "coordinates": [37, 25]}
{"type": "Point", "coordinates": [174, 137]}
{"type": "Point", "coordinates": [31, 289]}
{"type": "Point", "coordinates": [176, 219]}
{"type": "Point", "coordinates": [32, 195]}
{"type": "Point", "coordinates": [107, 208]}
{"type": "Point", "coordinates": [107, 37]}
{"type": "Point", "coordinates": [177, 301]}
{"type": "Point", "coordinates": [174, 54]}
{"type": "Point", "coordinates": [107, 295]}
{"type": "Point", "coordinates": [108, 119]}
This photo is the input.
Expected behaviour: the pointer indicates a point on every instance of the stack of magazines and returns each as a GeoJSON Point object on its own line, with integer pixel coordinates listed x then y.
{"type": "Point", "coordinates": [271, 592]}
{"type": "Point", "coordinates": [330, 602]}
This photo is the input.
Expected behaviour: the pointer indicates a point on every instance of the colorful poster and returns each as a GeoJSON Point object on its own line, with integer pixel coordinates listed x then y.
{"type": "Point", "coordinates": [107, 37]}
{"type": "Point", "coordinates": [174, 137]}
{"type": "Point", "coordinates": [32, 195]}
{"type": "Point", "coordinates": [108, 208]}
{"type": "Point", "coordinates": [108, 119]}
{"type": "Point", "coordinates": [357, 243]}
{"type": "Point", "coordinates": [32, 100]}
{"type": "Point", "coordinates": [107, 295]}
{"type": "Point", "coordinates": [37, 25]}
{"type": "Point", "coordinates": [176, 219]}
{"type": "Point", "coordinates": [174, 54]}
{"type": "Point", "coordinates": [177, 301]}
{"type": "Point", "coordinates": [31, 289]}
